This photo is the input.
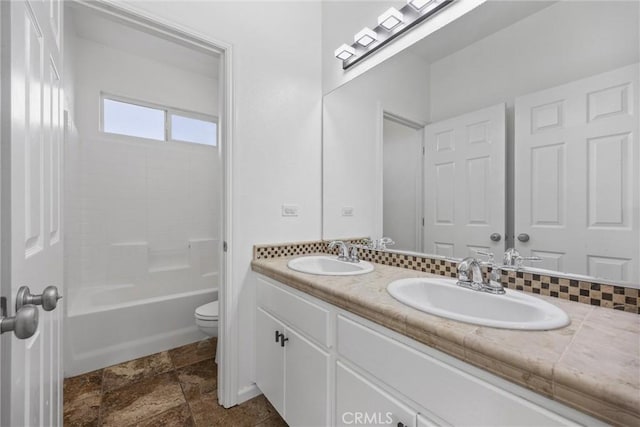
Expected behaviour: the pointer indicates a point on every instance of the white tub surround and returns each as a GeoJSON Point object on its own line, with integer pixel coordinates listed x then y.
{"type": "Point", "coordinates": [101, 332]}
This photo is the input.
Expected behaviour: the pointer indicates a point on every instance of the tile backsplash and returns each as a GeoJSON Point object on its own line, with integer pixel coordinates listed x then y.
{"type": "Point", "coordinates": [586, 292]}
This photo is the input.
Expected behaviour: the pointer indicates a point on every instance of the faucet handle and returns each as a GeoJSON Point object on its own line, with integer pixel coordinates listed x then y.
{"type": "Point", "coordinates": [490, 256]}
{"type": "Point", "coordinates": [521, 259]}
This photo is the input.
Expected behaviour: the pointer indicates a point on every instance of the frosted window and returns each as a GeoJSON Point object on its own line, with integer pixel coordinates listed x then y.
{"type": "Point", "coordinates": [198, 131]}
{"type": "Point", "coordinates": [133, 120]}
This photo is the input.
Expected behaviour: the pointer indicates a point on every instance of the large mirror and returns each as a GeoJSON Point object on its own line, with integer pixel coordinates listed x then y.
{"type": "Point", "coordinates": [515, 126]}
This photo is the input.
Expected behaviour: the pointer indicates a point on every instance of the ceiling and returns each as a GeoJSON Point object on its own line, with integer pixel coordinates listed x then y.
{"type": "Point", "coordinates": [109, 31]}
{"type": "Point", "coordinates": [479, 23]}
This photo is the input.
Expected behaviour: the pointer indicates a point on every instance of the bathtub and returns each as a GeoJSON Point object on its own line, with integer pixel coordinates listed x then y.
{"type": "Point", "coordinates": [106, 325]}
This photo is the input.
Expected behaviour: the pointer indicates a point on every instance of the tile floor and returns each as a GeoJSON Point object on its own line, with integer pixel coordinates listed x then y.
{"type": "Point", "coordinates": [172, 388]}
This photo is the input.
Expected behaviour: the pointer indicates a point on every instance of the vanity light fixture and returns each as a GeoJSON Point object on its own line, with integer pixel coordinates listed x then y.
{"type": "Point", "coordinates": [391, 24]}
{"type": "Point", "coordinates": [365, 37]}
{"type": "Point", "coordinates": [419, 4]}
{"type": "Point", "coordinates": [390, 19]}
{"type": "Point", "coordinates": [345, 52]}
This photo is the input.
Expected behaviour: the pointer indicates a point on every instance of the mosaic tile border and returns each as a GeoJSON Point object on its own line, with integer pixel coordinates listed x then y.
{"type": "Point", "coordinates": [591, 293]}
{"type": "Point", "coordinates": [288, 249]}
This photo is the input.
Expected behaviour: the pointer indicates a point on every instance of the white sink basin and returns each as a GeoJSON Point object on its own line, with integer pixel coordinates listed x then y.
{"type": "Point", "coordinates": [513, 310]}
{"type": "Point", "coordinates": [329, 266]}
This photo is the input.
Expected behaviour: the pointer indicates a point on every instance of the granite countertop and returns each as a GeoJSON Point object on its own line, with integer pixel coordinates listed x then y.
{"type": "Point", "coordinates": [592, 365]}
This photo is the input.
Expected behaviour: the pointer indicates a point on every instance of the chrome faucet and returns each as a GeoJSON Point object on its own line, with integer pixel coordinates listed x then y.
{"type": "Point", "coordinates": [470, 275]}
{"type": "Point", "coordinates": [346, 252]}
{"type": "Point", "coordinates": [512, 258]}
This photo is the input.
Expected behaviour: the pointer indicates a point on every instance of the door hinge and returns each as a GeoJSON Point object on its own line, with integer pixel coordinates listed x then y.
{"type": "Point", "coordinates": [224, 246]}
{"type": "Point", "coordinates": [423, 151]}
{"type": "Point", "coordinates": [423, 222]}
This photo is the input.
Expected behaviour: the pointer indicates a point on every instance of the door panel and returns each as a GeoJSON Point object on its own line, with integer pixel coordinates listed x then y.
{"type": "Point", "coordinates": [305, 382]}
{"type": "Point", "coordinates": [464, 183]}
{"type": "Point", "coordinates": [357, 399]}
{"type": "Point", "coordinates": [577, 176]}
{"type": "Point", "coordinates": [269, 360]}
{"type": "Point", "coordinates": [35, 374]}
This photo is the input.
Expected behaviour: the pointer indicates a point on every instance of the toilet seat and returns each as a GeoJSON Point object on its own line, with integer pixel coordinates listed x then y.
{"type": "Point", "coordinates": [208, 311]}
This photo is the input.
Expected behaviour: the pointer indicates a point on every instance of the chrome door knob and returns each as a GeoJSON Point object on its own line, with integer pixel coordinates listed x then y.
{"type": "Point", "coordinates": [24, 324]}
{"type": "Point", "coordinates": [523, 237]}
{"type": "Point", "coordinates": [495, 237]}
{"type": "Point", "coordinates": [48, 299]}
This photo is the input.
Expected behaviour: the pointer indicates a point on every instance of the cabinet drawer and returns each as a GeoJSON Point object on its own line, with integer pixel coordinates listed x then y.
{"type": "Point", "coordinates": [306, 317]}
{"type": "Point", "coordinates": [358, 401]}
{"type": "Point", "coordinates": [446, 391]}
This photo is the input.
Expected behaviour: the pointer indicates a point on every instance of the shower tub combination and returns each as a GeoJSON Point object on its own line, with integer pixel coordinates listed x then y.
{"type": "Point", "coordinates": [112, 323]}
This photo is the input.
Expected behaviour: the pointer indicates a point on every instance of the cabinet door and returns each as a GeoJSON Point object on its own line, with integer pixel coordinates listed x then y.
{"type": "Point", "coordinates": [269, 359]}
{"type": "Point", "coordinates": [306, 382]}
{"type": "Point", "coordinates": [360, 402]}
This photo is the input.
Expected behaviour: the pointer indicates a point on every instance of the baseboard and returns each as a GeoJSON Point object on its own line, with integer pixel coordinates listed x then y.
{"type": "Point", "coordinates": [248, 392]}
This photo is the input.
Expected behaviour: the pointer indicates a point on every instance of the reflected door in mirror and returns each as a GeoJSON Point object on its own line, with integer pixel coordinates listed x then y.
{"type": "Point", "coordinates": [464, 184]}
{"type": "Point", "coordinates": [577, 176]}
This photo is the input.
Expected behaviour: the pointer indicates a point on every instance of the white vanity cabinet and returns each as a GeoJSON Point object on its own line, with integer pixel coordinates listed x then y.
{"type": "Point", "coordinates": [360, 402]}
{"type": "Point", "coordinates": [336, 368]}
{"type": "Point", "coordinates": [291, 370]}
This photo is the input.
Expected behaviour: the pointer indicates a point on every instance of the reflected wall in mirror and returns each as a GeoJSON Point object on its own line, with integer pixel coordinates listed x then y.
{"type": "Point", "coordinates": [526, 113]}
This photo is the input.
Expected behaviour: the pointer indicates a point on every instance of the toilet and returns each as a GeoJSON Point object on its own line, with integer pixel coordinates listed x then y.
{"type": "Point", "coordinates": [207, 321]}
{"type": "Point", "coordinates": [207, 318]}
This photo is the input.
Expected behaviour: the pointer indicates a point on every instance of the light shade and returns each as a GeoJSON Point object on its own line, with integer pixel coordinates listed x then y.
{"type": "Point", "coordinates": [390, 19]}
{"type": "Point", "coordinates": [365, 37]}
{"type": "Point", "coordinates": [345, 52]}
{"type": "Point", "coordinates": [419, 4]}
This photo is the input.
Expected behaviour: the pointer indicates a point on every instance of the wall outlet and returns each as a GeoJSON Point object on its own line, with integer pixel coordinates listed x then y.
{"type": "Point", "coordinates": [290, 210]}
{"type": "Point", "coordinates": [347, 211]}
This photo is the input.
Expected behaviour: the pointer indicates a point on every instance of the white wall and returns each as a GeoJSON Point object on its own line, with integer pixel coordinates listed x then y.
{"type": "Point", "coordinates": [277, 139]}
{"type": "Point", "coordinates": [564, 42]}
{"type": "Point", "coordinates": [352, 141]}
{"type": "Point", "coordinates": [138, 212]}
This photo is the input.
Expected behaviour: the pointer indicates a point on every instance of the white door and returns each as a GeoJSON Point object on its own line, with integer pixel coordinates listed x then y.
{"type": "Point", "coordinates": [402, 184]}
{"type": "Point", "coordinates": [577, 176]}
{"type": "Point", "coordinates": [31, 230]}
{"type": "Point", "coordinates": [464, 187]}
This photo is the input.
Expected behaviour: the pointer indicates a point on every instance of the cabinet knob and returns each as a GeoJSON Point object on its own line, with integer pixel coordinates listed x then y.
{"type": "Point", "coordinates": [283, 340]}
{"type": "Point", "coordinates": [278, 336]}
{"type": "Point", "coordinates": [523, 237]}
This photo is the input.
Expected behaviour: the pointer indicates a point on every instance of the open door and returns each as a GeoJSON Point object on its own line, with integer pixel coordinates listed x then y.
{"type": "Point", "coordinates": [402, 182]}
{"type": "Point", "coordinates": [465, 184]}
{"type": "Point", "coordinates": [31, 208]}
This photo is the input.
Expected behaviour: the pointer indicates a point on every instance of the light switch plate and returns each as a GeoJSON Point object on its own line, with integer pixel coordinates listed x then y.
{"type": "Point", "coordinates": [290, 210]}
{"type": "Point", "coordinates": [347, 211]}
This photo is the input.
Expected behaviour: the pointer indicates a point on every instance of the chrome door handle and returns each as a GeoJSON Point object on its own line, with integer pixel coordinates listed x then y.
{"type": "Point", "coordinates": [24, 324]}
{"type": "Point", "coordinates": [523, 237]}
{"type": "Point", "coordinates": [48, 299]}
